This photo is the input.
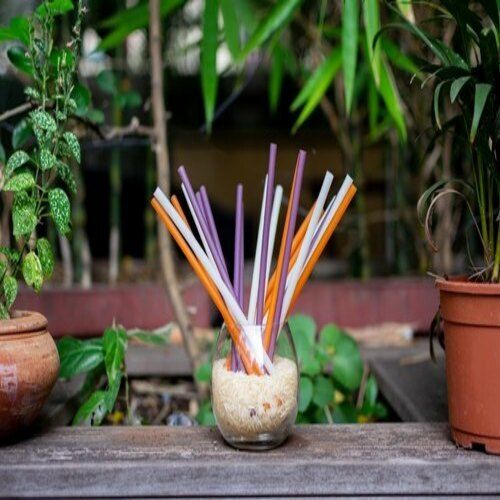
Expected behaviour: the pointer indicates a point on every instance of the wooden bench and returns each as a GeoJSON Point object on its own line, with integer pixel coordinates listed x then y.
{"type": "Point", "coordinates": [371, 459]}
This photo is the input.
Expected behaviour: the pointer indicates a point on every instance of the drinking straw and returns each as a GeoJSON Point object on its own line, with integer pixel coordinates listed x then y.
{"type": "Point", "coordinates": [303, 253]}
{"type": "Point", "coordinates": [190, 197]}
{"type": "Point", "coordinates": [272, 325]}
{"type": "Point", "coordinates": [211, 223]}
{"type": "Point", "coordinates": [322, 221]}
{"type": "Point", "coordinates": [251, 367]}
{"type": "Point", "coordinates": [265, 233]}
{"type": "Point", "coordinates": [224, 290]}
{"type": "Point", "coordinates": [320, 246]}
{"type": "Point", "coordinates": [278, 195]}
{"type": "Point", "coordinates": [178, 207]}
{"type": "Point", "coordinates": [252, 302]}
{"type": "Point", "coordinates": [238, 260]}
{"type": "Point", "coordinates": [202, 208]}
{"type": "Point", "coordinates": [297, 240]}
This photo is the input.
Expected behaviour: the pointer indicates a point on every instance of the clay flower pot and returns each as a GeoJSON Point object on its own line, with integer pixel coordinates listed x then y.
{"type": "Point", "coordinates": [29, 365]}
{"type": "Point", "coordinates": [471, 314]}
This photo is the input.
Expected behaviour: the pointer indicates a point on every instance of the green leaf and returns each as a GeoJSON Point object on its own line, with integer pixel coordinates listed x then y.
{"type": "Point", "coordinates": [2, 154]}
{"type": "Point", "coordinates": [18, 30]}
{"type": "Point", "coordinates": [24, 219]}
{"type": "Point", "coordinates": [457, 86]}
{"type": "Point", "coordinates": [21, 134]}
{"type": "Point", "coordinates": [390, 95]}
{"type": "Point", "coordinates": [303, 331]}
{"type": "Point", "coordinates": [93, 411]}
{"type": "Point", "coordinates": [329, 337]}
{"type": "Point", "coordinates": [371, 17]}
{"type": "Point", "coordinates": [46, 256]}
{"type": "Point", "coordinates": [205, 415]}
{"type": "Point", "coordinates": [278, 16]}
{"type": "Point", "coordinates": [276, 77]}
{"type": "Point", "coordinates": [323, 391]}
{"type": "Point", "coordinates": [481, 95]}
{"type": "Point", "coordinates": [114, 345]}
{"type": "Point", "coordinates": [78, 356]}
{"type": "Point", "coordinates": [399, 59]}
{"type": "Point", "coordinates": [154, 338]}
{"type": "Point", "coordinates": [60, 209]}
{"type": "Point", "coordinates": [12, 254]}
{"type": "Point", "coordinates": [112, 392]}
{"type": "Point", "coordinates": [43, 120]}
{"type": "Point", "coordinates": [17, 159]}
{"type": "Point", "coordinates": [305, 393]}
{"type": "Point", "coordinates": [347, 363]}
{"type": "Point", "coordinates": [371, 392]}
{"type": "Point", "coordinates": [129, 99]}
{"type": "Point", "coordinates": [350, 30]}
{"type": "Point", "coordinates": [17, 56]}
{"type": "Point", "coordinates": [66, 174]}
{"type": "Point", "coordinates": [4, 313]}
{"type": "Point", "coordinates": [81, 96]}
{"type": "Point", "coordinates": [54, 7]}
{"type": "Point", "coordinates": [47, 159]}
{"type": "Point", "coordinates": [74, 145]}
{"type": "Point", "coordinates": [316, 86]}
{"type": "Point", "coordinates": [9, 290]}
{"type": "Point", "coordinates": [437, 92]}
{"type": "Point", "coordinates": [344, 413]}
{"type": "Point", "coordinates": [204, 373]}
{"type": "Point", "coordinates": [32, 271]}
{"type": "Point", "coordinates": [20, 182]}
{"type": "Point", "coordinates": [106, 80]}
{"type": "Point", "coordinates": [231, 27]}
{"type": "Point", "coordinates": [128, 20]}
{"type": "Point", "coordinates": [208, 60]}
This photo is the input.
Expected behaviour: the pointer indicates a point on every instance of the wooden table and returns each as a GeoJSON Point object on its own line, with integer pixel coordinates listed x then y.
{"type": "Point", "coordinates": [371, 459]}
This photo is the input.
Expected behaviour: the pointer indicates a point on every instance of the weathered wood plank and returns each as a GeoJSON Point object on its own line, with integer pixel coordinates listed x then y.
{"type": "Point", "coordinates": [412, 383]}
{"type": "Point", "coordinates": [383, 459]}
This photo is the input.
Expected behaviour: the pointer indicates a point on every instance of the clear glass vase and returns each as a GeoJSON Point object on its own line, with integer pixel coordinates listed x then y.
{"type": "Point", "coordinates": [255, 412]}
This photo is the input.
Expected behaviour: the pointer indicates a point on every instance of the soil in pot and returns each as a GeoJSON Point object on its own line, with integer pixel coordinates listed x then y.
{"type": "Point", "coordinates": [29, 365]}
{"type": "Point", "coordinates": [471, 315]}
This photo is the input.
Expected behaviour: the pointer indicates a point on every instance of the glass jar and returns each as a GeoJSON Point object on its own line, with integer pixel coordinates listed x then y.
{"type": "Point", "coordinates": [256, 412]}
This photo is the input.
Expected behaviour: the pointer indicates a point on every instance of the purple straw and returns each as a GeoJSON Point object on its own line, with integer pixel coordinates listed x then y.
{"type": "Point", "coordinates": [211, 223]}
{"type": "Point", "coordinates": [265, 232]}
{"type": "Point", "coordinates": [288, 246]}
{"type": "Point", "coordinates": [199, 215]}
{"type": "Point", "coordinates": [199, 200]}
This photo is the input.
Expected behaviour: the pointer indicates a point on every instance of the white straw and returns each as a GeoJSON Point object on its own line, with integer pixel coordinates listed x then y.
{"type": "Point", "coordinates": [252, 303]}
{"type": "Point", "coordinates": [278, 195]}
{"type": "Point", "coordinates": [296, 270]}
{"type": "Point", "coordinates": [230, 301]}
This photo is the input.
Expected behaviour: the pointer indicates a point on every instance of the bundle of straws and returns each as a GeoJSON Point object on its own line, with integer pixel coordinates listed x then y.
{"type": "Point", "coordinates": [272, 296]}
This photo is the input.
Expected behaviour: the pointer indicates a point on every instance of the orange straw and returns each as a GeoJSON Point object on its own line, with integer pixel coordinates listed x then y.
{"type": "Point", "coordinates": [296, 243]}
{"type": "Point", "coordinates": [251, 367]}
{"type": "Point", "coordinates": [178, 207]}
{"type": "Point", "coordinates": [279, 270]}
{"type": "Point", "coordinates": [321, 245]}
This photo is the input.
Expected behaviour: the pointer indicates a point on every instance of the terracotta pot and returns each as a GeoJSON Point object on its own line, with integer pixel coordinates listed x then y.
{"type": "Point", "coordinates": [471, 315]}
{"type": "Point", "coordinates": [29, 365]}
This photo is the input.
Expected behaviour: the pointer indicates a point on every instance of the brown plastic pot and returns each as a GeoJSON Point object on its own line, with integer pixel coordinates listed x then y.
{"type": "Point", "coordinates": [29, 365]}
{"type": "Point", "coordinates": [471, 316]}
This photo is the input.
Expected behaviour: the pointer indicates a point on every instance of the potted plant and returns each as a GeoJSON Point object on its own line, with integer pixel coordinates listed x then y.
{"type": "Point", "coordinates": [467, 78]}
{"type": "Point", "coordinates": [36, 178]}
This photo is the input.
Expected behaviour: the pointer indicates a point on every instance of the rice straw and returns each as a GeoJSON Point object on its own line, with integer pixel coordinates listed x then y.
{"type": "Point", "coordinates": [250, 366]}
{"type": "Point", "coordinates": [265, 233]}
{"type": "Point", "coordinates": [274, 316]}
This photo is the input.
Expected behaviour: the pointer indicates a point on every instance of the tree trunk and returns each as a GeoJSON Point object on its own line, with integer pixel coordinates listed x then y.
{"type": "Point", "coordinates": [163, 174]}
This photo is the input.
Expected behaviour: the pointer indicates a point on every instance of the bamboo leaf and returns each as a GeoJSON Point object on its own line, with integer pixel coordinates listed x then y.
{"type": "Point", "coordinates": [390, 95]}
{"type": "Point", "coordinates": [457, 86]}
{"type": "Point", "coordinates": [350, 30]}
{"type": "Point", "coordinates": [316, 86]}
{"type": "Point", "coordinates": [278, 16]}
{"type": "Point", "coordinates": [437, 92]}
{"type": "Point", "coordinates": [276, 77]}
{"type": "Point", "coordinates": [481, 95]}
{"type": "Point", "coordinates": [208, 60]}
{"type": "Point", "coordinates": [399, 59]}
{"type": "Point", "coordinates": [371, 17]}
{"type": "Point", "coordinates": [231, 27]}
